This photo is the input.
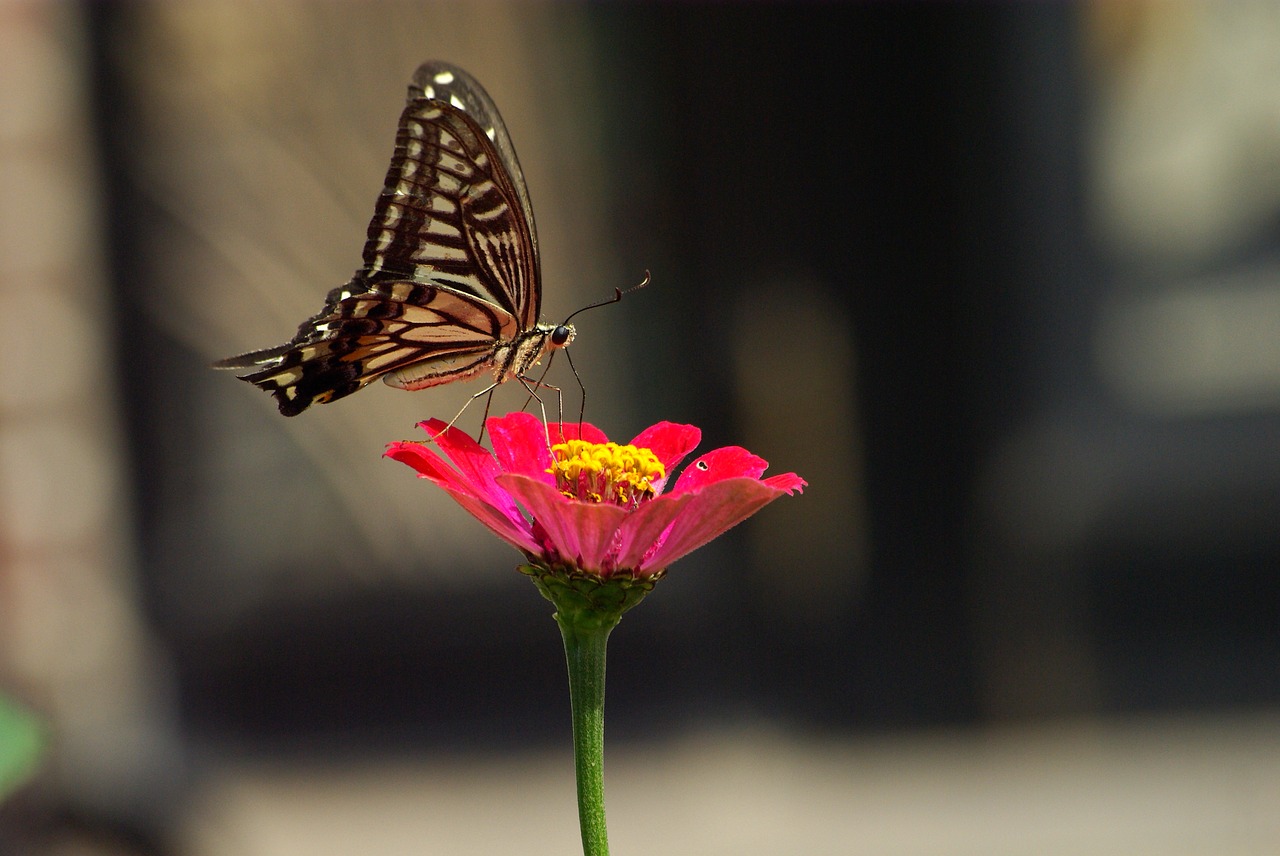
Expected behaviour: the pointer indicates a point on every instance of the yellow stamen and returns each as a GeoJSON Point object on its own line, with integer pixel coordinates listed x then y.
{"type": "Point", "coordinates": [605, 472]}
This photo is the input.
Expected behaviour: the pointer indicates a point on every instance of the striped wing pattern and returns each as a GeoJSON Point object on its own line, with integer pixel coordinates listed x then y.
{"type": "Point", "coordinates": [450, 278]}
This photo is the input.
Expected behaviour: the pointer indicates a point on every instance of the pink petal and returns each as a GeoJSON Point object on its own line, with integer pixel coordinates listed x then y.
{"type": "Point", "coordinates": [520, 445]}
{"type": "Point", "coordinates": [429, 465]}
{"type": "Point", "coordinates": [474, 462]}
{"type": "Point", "coordinates": [711, 512]}
{"type": "Point", "coordinates": [516, 532]}
{"type": "Point", "coordinates": [644, 526]}
{"type": "Point", "coordinates": [717, 465]}
{"type": "Point", "coordinates": [582, 533]}
{"type": "Point", "coordinates": [670, 441]}
{"type": "Point", "coordinates": [491, 505]}
{"type": "Point", "coordinates": [562, 432]}
{"type": "Point", "coordinates": [476, 466]}
{"type": "Point", "coordinates": [790, 482]}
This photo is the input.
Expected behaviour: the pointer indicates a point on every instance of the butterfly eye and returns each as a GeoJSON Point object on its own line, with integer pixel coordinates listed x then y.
{"type": "Point", "coordinates": [561, 335]}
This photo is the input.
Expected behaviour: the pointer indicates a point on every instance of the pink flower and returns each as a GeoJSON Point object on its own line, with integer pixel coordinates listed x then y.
{"type": "Point", "coordinates": [590, 505]}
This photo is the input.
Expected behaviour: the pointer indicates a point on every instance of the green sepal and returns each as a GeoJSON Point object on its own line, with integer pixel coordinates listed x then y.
{"type": "Point", "coordinates": [586, 601]}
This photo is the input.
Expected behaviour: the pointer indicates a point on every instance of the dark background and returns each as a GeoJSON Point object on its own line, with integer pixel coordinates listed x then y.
{"type": "Point", "coordinates": [927, 163]}
{"type": "Point", "coordinates": [999, 281]}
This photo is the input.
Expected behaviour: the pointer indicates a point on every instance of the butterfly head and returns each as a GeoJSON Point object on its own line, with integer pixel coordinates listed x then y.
{"type": "Point", "coordinates": [562, 336]}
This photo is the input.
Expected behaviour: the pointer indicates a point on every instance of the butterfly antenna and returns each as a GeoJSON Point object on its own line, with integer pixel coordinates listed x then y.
{"type": "Point", "coordinates": [617, 296]}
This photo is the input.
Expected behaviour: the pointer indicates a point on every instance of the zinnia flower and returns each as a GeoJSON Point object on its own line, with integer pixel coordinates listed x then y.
{"type": "Point", "coordinates": [589, 505]}
{"type": "Point", "coordinates": [598, 527]}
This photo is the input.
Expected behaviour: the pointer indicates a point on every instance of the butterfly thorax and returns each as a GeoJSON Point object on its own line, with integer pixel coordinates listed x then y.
{"type": "Point", "coordinates": [508, 360]}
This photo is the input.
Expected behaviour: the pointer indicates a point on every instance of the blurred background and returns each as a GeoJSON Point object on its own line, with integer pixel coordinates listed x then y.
{"type": "Point", "coordinates": [1001, 282]}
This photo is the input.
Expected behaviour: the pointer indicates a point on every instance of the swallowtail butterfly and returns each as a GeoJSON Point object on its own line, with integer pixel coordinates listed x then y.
{"type": "Point", "coordinates": [451, 286]}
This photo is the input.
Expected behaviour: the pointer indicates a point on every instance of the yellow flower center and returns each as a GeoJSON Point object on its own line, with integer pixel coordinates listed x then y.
{"type": "Point", "coordinates": [605, 472]}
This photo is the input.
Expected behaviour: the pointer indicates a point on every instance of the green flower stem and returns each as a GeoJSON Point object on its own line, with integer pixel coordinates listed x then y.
{"type": "Point", "coordinates": [587, 610]}
{"type": "Point", "coordinates": [584, 649]}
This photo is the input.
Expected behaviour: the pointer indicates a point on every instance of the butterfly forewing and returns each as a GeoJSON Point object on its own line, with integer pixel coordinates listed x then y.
{"type": "Point", "coordinates": [450, 286]}
{"type": "Point", "coordinates": [439, 81]}
{"type": "Point", "coordinates": [450, 214]}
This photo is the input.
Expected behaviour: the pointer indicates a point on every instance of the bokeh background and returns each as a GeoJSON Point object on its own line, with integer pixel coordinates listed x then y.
{"type": "Point", "coordinates": [1001, 281]}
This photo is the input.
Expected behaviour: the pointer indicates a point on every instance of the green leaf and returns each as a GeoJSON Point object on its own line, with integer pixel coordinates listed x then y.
{"type": "Point", "coordinates": [22, 742]}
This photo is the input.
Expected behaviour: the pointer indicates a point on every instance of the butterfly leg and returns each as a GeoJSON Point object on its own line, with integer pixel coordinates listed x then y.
{"type": "Point", "coordinates": [531, 386]}
{"type": "Point", "coordinates": [488, 390]}
{"type": "Point", "coordinates": [582, 407]}
{"type": "Point", "coordinates": [484, 420]}
{"type": "Point", "coordinates": [541, 384]}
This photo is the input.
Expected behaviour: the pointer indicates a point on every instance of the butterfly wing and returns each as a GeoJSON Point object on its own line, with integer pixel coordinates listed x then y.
{"type": "Point", "coordinates": [454, 209]}
{"type": "Point", "coordinates": [498, 219]}
{"type": "Point", "coordinates": [450, 265]}
{"type": "Point", "coordinates": [451, 336]}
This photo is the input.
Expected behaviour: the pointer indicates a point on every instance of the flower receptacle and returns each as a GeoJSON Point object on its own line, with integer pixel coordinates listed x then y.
{"type": "Point", "coordinates": [587, 601]}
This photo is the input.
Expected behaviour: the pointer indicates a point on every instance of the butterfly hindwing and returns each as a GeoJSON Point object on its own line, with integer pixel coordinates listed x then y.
{"type": "Point", "coordinates": [369, 334]}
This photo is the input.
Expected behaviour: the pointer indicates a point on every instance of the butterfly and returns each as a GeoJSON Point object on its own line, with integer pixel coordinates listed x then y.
{"type": "Point", "coordinates": [451, 286]}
